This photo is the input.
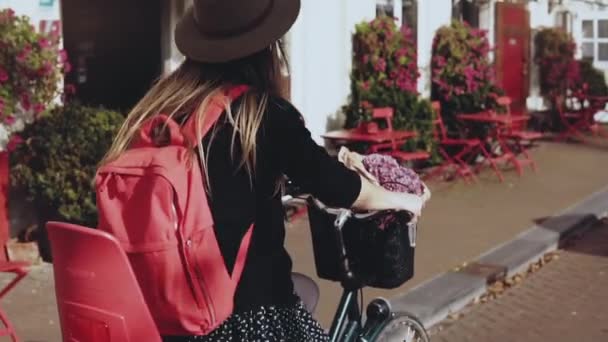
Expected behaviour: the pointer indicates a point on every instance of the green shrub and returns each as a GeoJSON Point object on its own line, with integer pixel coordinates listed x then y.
{"type": "Point", "coordinates": [594, 78]}
{"type": "Point", "coordinates": [56, 163]}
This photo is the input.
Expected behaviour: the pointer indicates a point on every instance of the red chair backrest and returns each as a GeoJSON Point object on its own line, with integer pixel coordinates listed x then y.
{"type": "Point", "coordinates": [439, 130]}
{"type": "Point", "coordinates": [98, 296]}
{"type": "Point", "coordinates": [386, 114]}
{"type": "Point", "coordinates": [504, 101]}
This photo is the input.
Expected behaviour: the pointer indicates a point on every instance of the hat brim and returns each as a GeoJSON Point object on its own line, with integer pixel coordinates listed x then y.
{"type": "Point", "coordinates": [194, 45]}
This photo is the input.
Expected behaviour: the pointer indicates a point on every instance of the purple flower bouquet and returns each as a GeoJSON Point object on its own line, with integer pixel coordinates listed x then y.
{"type": "Point", "coordinates": [393, 177]}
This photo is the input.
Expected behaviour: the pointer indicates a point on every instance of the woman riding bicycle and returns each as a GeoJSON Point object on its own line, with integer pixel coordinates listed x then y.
{"type": "Point", "coordinates": [261, 139]}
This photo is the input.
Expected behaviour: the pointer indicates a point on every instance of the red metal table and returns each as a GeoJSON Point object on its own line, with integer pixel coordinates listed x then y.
{"type": "Point", "coordinates": [385, 141]}
{"type": "Point", "coordinates": [20, 269]}
{"type": "Point", "coordinates": [354, 135]}
{"type": "Point", "coordinates": [498, 124]}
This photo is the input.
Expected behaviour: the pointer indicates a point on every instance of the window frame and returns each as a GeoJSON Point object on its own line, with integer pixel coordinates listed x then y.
{"type": "Point", "coordinates": [596, 40]}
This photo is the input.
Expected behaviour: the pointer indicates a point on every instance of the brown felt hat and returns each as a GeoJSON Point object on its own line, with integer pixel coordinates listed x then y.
{"type": "Point", "coordinates": [216, 31]}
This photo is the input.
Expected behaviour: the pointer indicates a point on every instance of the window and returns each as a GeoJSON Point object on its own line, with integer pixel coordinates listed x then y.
{"type": "Point", "coordinates": [467, 11]}
{"type": "Point", "coordinates": [385, 7]}
{"type": "Point", "coordinates": [594, 45]}
{"type": "Point", "coordinates": [410, 17]}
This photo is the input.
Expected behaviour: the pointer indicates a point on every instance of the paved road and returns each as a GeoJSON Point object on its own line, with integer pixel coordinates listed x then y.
{"type": "Point", "coordinates": [567, 300]}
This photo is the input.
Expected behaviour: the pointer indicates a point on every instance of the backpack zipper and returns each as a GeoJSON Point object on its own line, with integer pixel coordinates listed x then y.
{"type": "Point", "coordinates": [201, 282]}
{"type": "Point", "coordinates": [175, 218]}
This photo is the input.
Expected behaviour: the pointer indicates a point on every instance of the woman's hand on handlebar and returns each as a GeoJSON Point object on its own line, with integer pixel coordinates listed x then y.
{"type": "Point", "coordinates": [354, 161]}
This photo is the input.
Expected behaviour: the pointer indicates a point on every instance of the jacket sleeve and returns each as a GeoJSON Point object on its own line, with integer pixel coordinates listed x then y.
{"type": "Point", "coordinates": [305, 162]}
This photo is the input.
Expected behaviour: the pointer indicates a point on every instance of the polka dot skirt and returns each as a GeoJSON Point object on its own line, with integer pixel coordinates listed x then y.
{"type": "Point", "coordinates": [268, 324]}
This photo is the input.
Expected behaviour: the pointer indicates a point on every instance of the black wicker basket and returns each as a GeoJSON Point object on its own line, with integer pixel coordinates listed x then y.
{"type": "Point", "coordinates": [381, 258]}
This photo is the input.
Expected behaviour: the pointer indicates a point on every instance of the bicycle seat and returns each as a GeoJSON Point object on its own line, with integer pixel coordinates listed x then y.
{"type": "Point", "coordinates": [307, 289]}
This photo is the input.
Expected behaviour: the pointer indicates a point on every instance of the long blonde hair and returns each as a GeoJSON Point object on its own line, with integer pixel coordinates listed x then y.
{"type": "Point", "coordinates": [189, 90]}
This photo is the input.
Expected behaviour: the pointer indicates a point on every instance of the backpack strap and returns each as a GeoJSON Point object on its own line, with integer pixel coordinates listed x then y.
{"type": "Point", "coordinates": [213, 112]}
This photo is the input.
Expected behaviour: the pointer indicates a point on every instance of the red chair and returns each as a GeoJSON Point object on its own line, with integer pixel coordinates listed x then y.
{"type": "Point", "coordinates": [467, 149]}
{"type": "Point", "coordinates": [98, 296]}
{"type": "Point", "coordinates": [578, 121]}
{"type": "Point", "coordinates": [392, 148]}
{"type": "Point", "coordinates": [521, 138]}
{"type": "Point", "coordinates": [20, 269]}
{"type": "Point", "coordinates": [574, 121]}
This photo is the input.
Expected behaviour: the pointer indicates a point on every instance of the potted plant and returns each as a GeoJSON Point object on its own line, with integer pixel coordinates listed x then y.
{"type": "Point", "coordinates": [559, 72]}
{"type": "Point", "coordinates": [385, 74]}
{"type": "Point", "coordinates": [463, 78]}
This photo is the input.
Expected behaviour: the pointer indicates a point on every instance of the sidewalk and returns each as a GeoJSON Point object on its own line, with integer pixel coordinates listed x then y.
{"type": "Point", "coordinates": [566, 300]}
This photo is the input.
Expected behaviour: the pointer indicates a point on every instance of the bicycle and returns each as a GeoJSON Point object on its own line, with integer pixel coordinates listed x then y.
{"type": "Point", "coordinates": [381, 322]}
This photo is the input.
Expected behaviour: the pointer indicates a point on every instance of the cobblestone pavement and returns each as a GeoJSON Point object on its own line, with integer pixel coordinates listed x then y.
{"type": "Point", "coordinates": [567, 300]}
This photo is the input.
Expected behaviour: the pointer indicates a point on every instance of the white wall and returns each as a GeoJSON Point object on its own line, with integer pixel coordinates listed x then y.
{"type": "Point", "coordinates": [431, 16]}
{"type": "Point", "coordinates": [320, 52]}
{"type": "Point", "coordinates": [34, 9]}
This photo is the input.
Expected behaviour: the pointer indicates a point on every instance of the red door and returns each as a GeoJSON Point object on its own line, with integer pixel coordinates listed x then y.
{"type": "Point", "coordinates": [513, 52]}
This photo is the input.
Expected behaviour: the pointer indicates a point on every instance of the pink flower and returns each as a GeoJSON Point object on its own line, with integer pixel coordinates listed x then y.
{"type": "Point", "coordinates": [22, 56]}
{"type": "Point", "coordinates": [440, 61]}
{"type": "Point", "coordinates": [14, 142]}
{"type": "Point", "coordinates": [39, 108]}
{"type": "Point", "coordinates": [469, 74]}
{"type": "Point", "coordinates": [9, 120]}
{"type": "Point", "coordinates": [63, 56]}
{"type": "Point", "coordinates": [388, 83]}
{"type": "Point", "coordinates": [44, 43]}
{"type": "Point", "coordinates": [3, 75]}
{"type": "Point", "coordinates": [380, 65]}
{"type": "Point", "coordinates": [67, 67]}
{"type": "Point", "coordinates": [46, 69]}
{"type": "Point", "coordinates": [10, 13]}
{"type": "Point", "coordinates": [365, 85]}
{"type": "Point", "coordinates": [401, 52]}
{"type": "Point", "coordinates": [25, 101]}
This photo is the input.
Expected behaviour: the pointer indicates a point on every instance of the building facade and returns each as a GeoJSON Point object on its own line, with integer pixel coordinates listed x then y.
{"type": "Point", "coordinates": [119, 47]}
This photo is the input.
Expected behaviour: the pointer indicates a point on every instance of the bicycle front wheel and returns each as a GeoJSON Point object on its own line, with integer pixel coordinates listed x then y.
{"type": "Point", "coordinates": [403, 327]}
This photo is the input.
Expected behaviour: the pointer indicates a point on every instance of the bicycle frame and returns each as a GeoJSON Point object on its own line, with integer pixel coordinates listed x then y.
{"type": "Point", "coordinates": [348, 325]}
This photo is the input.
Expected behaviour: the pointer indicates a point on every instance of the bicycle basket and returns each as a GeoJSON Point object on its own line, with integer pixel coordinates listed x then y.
{"type": "Point", "coordinates": [381, 258]}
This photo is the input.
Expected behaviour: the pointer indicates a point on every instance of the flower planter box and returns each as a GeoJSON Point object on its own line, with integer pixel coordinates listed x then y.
{"type": "Point", "coordinates": [23, 251]}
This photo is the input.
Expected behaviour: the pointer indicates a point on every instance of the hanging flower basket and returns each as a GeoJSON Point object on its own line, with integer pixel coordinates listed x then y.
{"type": "Point", "coordinates": [31, 71]}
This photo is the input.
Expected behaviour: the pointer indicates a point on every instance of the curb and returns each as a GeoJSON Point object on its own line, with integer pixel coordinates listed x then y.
{"type": "Point", "coordinates": [432, 301]}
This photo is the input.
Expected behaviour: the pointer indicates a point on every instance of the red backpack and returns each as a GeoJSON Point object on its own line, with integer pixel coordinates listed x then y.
{"type": "Point", "coordinates": [154, 202]}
